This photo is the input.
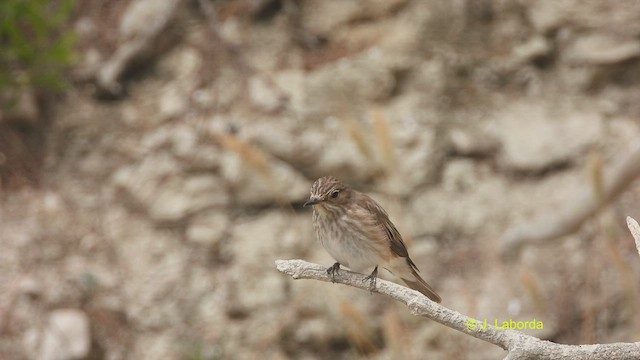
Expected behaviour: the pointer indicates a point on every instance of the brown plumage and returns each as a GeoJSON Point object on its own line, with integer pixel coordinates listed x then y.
{"type": "Point", "coordinates": [356, 231]}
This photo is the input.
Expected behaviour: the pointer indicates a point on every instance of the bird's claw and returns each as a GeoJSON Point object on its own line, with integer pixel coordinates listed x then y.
{"type": "Point", "coordinates": [331, 271]}
{"type": "Point", "coordinates": [372, 278]}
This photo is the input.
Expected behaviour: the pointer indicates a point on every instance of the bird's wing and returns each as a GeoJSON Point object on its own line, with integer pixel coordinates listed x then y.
{"type": "Point", "coordinates": [396, 243]}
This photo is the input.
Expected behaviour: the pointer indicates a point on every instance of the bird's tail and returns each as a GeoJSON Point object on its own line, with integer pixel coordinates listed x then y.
{"type": "Point", "coordinates": [422, 286]}
{"type": "Point", "coordinates": [410, 276]}
{"type": "Point", "coordinates": [406, 270]}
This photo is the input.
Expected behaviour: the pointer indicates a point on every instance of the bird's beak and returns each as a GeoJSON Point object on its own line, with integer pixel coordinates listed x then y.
{"type": "Point", "coordinates": [311, 201]}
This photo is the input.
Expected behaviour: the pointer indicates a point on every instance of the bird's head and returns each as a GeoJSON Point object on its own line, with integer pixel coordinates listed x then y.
{"type": "Point", "coordinates": [328, 192]}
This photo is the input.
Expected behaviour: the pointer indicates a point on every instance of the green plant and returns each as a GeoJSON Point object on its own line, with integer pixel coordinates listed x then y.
{"type": "Point", "coordinates": [35, 46]}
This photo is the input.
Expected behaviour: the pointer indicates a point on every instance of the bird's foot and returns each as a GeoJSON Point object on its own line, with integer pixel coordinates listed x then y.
{"type": "Point", "coordinates": [372, 279]}
{"type": "Point", "coordinates": [333, 270]}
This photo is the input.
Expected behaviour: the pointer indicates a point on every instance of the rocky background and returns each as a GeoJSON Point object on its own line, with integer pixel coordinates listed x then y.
{"type": "Point", "coordinates": [145, 218]}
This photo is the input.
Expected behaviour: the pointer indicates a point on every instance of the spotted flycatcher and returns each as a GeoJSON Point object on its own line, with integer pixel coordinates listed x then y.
{"type": "Point", "coordinates": [358, 234]}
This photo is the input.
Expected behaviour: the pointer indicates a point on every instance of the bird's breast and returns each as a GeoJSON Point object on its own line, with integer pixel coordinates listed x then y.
{"type": "Point", "coordinates": [348, 241]}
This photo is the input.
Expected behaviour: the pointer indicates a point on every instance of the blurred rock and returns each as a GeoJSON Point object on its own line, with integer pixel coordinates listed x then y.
{"type": "Point", "coordinates": [313, 331]}
{"type": "Point", "coordinates": [469, 186]}
{"type": "Point", "coordinates": [280, 136]}
{"type": "Point", "coordinates": [429, 79]}
{"type": "Point", "coordinates": [347, 84]}
{"type": "Point", "coordinates": [253, 184]}
{"type": "Point", "coordinates": [265, 95]}
{"type": "Point", "coordinates": [459, 176]}
{"type": "Point", "coordinates": [257, 243]}
{"type": "Point", "coordinates": [582, 78]}
{"type": "Point", "coordinates": [184, 141]}
{"type": "Point", "coordinates": [192, 151]}
{"type": "Point", "coordinates": [535, 48]}
{"type": "Point", "coordinates": [207, 228]}
{"type": "Point", "coordinates": [157, 186]}
{"type": "Point", "coordinates": [185, 196]}
{"type": "Point", "coordinates": [545, 16]}
{"type": "Point", "coordinates": [66, 336]}
{"type": "Point", "coordinates": [144, 17]}
{"type": "Point", "coordinates": [535, 136]}
{"type": "Point", "coordinates": [273, 234]}
{"type": "Point", "coordinates": [157, 273]}
{"type": "Point", "coordinates": [601, 49]}
{"type": "Point", "coordinates": [292, 83]}
{"type": "Point", "coordinates": [339, 146]}
{"type": "Point", "coordinates": [324, 17]}
{"type": "Point", "coordinates": [30, 286]}
{"type": "Point", "coordinates": [156, 346]}
{"type": "Point", "coordinates": [183, 65]}
{"type": "Point", "coordinates": [203, 98]}
{"type": "Point", "coordinates": [171, 104]}
{"type": "Point", "coordinates": [140, 27]}
{"type": "Point", "coordinates": [419, 161]}
{"type": "Point", "coordinates": [619, 17]}
{"type": "Point", "coordinates": [472, 141]}
{"type": "Point", "coordinates": [20, 107]}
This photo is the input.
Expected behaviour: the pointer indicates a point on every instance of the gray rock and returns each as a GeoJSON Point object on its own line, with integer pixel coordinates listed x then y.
{"type": "Point", "coordinates": [280, 136]}
{"type": "Point", "coordinates": [208, 228]}
{"type": "Point", "coordinates": [472, 141]}
{"type": "Point", "coordinates": [535, 135]}
{"type": "Point", "coordinates": [326, 16]}
{"type": "Point", "coordinates": [292, 84]}
{"type": "Point", "coordinates": [157, 185]}
{"type": "Point", "coordinates": [262, 181]}
{"type": "Point", "coordinates": [257, 242]}
{"type": "Point", "coordinates": [172, 104]}
{"type": "Point", "coordinates": [347, 84]}
{"type": "Point", "coordinates": [534, 48]}
{"type": "Point", "coordinates": [467, 187]}
{"type": "Point", "coordinates": [183, 64]}
{"type": "Point", "coordinates": [140, 26]}
{"type": "Point", "coordinates": [144, 16]}
{"type": "Point", "coordinates": [30, 286]}
{"type": "Point", "coordinates": [617, 17]}
{"type": "Point", "coordinates": [601, 49]}
{"type": "Point", "coordinates": [545, 16]}
{"type": "Point", "coordinates": [24, 111]}
{"type": "Point", "coordinates": [334, 149]}
{"type": "Point", "coordinates": [459, 176]}
{"type": "Point", "coordinates": [156, 346]}
{"type": "Point", "coordinates": [265, 94]}
{"type": "Point", "coordinates": [418, 161]}
{"type": "Point", "coordinates": [323, 17]}
{"type": "Point", "coordinates": [157, 268]}
{"type": "Point", "coordinates": [66, 336]}
{"type": "Point", "coordinates": [183, 196]}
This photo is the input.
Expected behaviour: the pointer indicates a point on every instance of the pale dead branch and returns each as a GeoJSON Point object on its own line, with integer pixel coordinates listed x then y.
{"type": "Point", "coordinates": [519, 345]}
{"type": "Point", "coordinates": [635, 231]}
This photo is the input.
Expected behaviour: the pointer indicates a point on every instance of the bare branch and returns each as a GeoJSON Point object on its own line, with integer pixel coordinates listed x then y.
{"type": "Point", "coordinates": [584, 204]}
{"type": "Point", "coordinates": [635, 231]}
{"type": "Point", "coordinates": [519, 345]}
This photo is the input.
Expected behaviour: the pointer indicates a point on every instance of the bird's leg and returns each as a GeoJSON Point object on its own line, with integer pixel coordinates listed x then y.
{"type": "Point", "coordinates": [333, 270]}
{"type": "Point", "coordinates": [372, 279]}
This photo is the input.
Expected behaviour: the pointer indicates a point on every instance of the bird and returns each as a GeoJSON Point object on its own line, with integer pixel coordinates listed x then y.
{"type": "Point", "coordinates": [357, 232]}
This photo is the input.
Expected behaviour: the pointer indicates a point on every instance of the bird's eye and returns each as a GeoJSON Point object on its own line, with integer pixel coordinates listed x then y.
{"type": "Point", "coordinates": [334, 194]}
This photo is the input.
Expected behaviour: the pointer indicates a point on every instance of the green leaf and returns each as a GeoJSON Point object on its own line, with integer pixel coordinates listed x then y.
{"type": "Point", "coordinates": [36, 45]}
